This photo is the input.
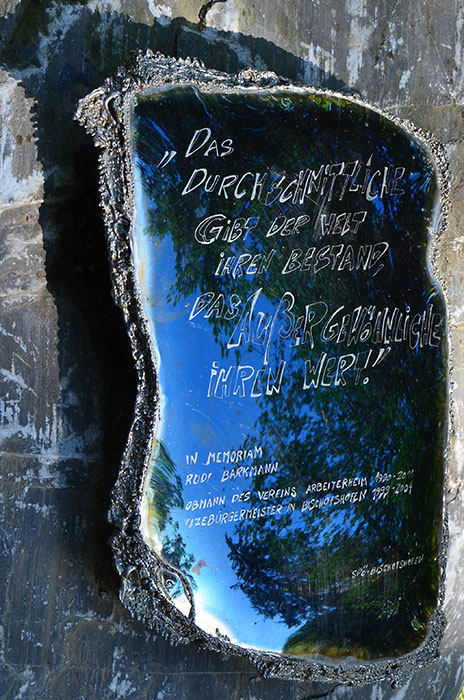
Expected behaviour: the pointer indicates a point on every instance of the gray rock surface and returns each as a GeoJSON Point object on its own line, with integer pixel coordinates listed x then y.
{"type": "Point", "coordinates": [67, 380]}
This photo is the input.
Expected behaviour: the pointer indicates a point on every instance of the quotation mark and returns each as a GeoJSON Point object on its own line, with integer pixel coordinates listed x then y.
{"type": "Point", "coordinates": [168, 156]}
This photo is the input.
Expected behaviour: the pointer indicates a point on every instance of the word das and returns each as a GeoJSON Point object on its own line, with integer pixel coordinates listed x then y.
{"type": "Point", "coordinates": [244, 380]}
{"type": "Point", "coordinates": [201, 139]}
{"type": "Point", "coordinates": [210, 304]}
{"type": "Point", "coordinates": [338, 257]}
{"type": "Point", "coordinates": [249, 472]}
{"type": "Point", "coordinates": [383, 568]}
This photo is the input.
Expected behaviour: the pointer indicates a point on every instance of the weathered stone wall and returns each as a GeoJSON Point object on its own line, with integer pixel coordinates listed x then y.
{"type": "Point", "coordinates": [67, 381]}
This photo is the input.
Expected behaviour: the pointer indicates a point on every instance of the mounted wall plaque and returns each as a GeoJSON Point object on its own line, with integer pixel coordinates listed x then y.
{"type": "Point", "coordinates": [281, 494]}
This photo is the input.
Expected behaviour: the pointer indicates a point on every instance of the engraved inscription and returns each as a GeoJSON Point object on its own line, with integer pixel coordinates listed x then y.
{"type": "Point", "coordinates": [280, 243]}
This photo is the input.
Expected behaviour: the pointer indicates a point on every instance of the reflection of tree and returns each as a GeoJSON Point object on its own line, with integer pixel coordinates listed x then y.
{"type": "Point", "coordinates": [297, 567]}
{"type": "Point", "coordinates": [163, 493]}
{"type": "Point", "coordinates": [170, 215]}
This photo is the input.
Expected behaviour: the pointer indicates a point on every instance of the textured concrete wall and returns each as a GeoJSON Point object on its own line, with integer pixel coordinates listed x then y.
{"type": "Point", "coordinates": [67, 382]}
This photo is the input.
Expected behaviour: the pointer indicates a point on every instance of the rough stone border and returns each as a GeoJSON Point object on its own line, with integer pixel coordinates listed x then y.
{"type": "Point", "coordinates": [105, 114]}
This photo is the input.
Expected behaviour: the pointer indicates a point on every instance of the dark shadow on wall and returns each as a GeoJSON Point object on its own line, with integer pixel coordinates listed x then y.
{"type": "Point", "coordinates": [60, 52]}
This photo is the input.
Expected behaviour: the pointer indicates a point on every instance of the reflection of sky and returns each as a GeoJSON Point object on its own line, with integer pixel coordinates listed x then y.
{"type": "Point", "coordinates": [191, 422]}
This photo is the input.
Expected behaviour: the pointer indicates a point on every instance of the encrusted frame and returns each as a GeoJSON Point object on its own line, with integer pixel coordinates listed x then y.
{"type": "Point", "coordinates": [105, 115]}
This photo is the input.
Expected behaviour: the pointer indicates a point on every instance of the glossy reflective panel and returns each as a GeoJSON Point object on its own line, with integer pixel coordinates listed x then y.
{"type": "Point", "coordinates": [295, 482]}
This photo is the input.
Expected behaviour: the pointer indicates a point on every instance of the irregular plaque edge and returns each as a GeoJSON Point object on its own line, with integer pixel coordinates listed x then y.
{"type": "Point", "coordinates": [105, 114]}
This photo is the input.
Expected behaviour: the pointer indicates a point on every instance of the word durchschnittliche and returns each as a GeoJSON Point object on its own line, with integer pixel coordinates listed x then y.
{"type": "Point", "coordinates": [333, 181]}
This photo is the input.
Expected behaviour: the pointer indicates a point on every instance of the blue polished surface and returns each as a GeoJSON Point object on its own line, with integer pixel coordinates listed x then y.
{"type": "Point", "coordinates": [296, 476]}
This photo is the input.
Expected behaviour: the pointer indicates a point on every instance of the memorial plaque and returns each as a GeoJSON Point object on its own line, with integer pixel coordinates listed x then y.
{"type": "Point", "coordinates": [281, 495]}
